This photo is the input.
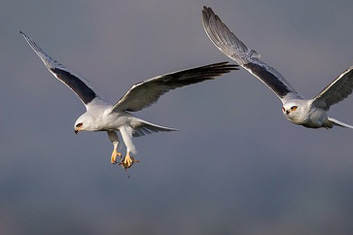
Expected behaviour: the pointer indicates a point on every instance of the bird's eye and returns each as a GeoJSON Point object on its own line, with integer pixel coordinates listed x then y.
{"type": "Point", "coordinates": [293, 108]}
{"type": "Point", "coordinates": [283, 109]}
{"type": "Point", "coordinates": [79, 125]}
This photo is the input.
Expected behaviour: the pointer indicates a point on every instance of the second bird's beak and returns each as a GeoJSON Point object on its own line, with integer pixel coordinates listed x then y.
{"type": "Point", "coordinates": [76, 131]}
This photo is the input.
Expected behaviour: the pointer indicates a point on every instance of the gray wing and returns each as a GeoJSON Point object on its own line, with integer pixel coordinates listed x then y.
{"type": "Point", "coordinates": [144, 94]}
{"type": "Point", "coordinates": [235, 49]}
{"type": "Point", "coordinates": [336, 91]}
{"type": "Point", "coordinates": [75, 82]}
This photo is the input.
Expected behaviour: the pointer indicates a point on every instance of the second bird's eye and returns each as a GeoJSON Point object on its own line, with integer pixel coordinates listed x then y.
{"type": "Point", "coordinates": [79, 125]}
{"type": "Point", "coordinates": [293, 108]}
{"type": "Point", "coordinates": [283, 109]}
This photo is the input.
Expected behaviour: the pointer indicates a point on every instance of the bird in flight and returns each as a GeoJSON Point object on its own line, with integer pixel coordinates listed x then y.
{"type": "Point", "coordinates": [309, 113]}
{"type": "Point", "coordinates": [102, 115]}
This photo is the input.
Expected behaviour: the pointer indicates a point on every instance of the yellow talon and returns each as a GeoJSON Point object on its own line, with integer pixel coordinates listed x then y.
{"type": "Point", "coordinates": [127, 161]}
{"type": "Point", "coordinates": [115, 154]}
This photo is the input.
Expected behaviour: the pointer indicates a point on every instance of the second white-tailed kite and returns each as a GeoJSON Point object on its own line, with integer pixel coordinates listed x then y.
{"type": "Point", "coordinates": [309, 113]}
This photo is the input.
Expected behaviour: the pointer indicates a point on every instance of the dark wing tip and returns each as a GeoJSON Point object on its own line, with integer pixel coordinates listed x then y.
{"type": "Point", "coordinates": [207, 10]}
{"type": "Point", "coordinates": [23, 34]}
{"type": "Point", "coordinates": [214, 70]}
{"type": "Point", "coordinates": [207, 13]}
{"type": "Point", "coordinates": [222, 66]}
{"type": "Point", "coordinates": [198, 74]}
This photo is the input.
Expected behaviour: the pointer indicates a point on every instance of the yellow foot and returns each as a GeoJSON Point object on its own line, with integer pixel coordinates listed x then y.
{"type": "Point", "coordinates": [127, 161]}
{"type": "Point", "coordinates": [115, 154]}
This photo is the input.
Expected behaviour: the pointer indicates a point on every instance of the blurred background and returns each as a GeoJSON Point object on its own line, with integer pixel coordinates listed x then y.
{"type": "Point", "coordinates": [236, 166]}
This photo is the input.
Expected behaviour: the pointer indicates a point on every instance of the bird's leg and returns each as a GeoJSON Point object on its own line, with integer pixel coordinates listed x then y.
{"type": "Point", "coordinates": [115, 141]}
{"type": "Point", "coordinates": [127, 161]}
{"type": "Point", "coordinates": [115, 154]}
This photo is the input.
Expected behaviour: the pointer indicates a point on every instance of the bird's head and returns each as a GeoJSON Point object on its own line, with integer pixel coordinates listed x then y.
{"type": "Point", "coordinates": [289, 109]}
{"type": "Point", "coordinates": [84, 123]}
{"type": "Point", "coordinates": [294, 111]}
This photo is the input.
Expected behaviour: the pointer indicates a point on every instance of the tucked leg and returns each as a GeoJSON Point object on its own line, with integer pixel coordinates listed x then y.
{"type": "Point", "coordinates": [115, 141]}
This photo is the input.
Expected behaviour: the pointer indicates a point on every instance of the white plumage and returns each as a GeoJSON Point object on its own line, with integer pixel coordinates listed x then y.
{"type": "Point", "coordinates": [104, 116]}
{"type": "Point", "coordinates": [309, 113]}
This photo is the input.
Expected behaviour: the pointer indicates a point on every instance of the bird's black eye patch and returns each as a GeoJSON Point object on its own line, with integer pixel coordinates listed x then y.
{"type": "Point", "coordinates": [293, 108]}
{"type": "Point", "coordinates": [79, 125]}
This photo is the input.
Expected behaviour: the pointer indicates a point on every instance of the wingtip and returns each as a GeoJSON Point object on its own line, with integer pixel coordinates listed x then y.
{"type": "Point", "coordinates": [207, 11]}
{"type": "Point", "coordinates": [204, 12]}
{"type": "Point", "coordinates": [23, 34]}
{"type": "Point", "coordinates": [226, 64]}
{"type": "Point", "coordinates": [207, 16]}
{"type": "Point", "coordinates": [206, 8]}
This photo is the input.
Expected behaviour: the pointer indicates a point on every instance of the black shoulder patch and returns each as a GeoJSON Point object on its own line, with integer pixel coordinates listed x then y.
{"type": "Point", "coordinates": [80, 88]}
{"type": "Point", "coordinates": [269, 79]}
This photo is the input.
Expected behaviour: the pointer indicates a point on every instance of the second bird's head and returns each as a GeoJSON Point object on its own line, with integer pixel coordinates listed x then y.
{"type": "Point", "coordinates": [293, 111]}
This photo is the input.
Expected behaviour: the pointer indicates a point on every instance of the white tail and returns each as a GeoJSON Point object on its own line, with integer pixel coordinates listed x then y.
{"type": "Point", "coordinates": [339, 123]}
{"type": "Point", "coordinates": [142, 128]}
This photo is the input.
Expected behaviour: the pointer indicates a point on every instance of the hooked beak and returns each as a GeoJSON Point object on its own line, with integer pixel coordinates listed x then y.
{"type": "Point", "coordinates": [77, 130]}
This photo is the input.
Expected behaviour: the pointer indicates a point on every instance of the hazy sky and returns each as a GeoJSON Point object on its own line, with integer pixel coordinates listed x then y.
{"type": "Point", "coordinates": [236, 166]}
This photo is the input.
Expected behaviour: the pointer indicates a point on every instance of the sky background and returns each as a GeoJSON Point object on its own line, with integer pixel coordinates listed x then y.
{"type": "Point", "coordinates": [236, 166]}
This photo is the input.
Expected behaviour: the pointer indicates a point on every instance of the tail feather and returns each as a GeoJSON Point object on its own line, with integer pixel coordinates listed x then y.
{"type": "Point", "coordinates": [142, 128]}
{"type": "Point", "coordinates": [339, 123]}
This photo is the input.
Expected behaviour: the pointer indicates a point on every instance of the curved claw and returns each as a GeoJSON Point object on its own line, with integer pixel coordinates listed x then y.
{"type": "Point", "coordinates": [115, 154]}
{"type": "Point", "coordinates": [127, 161]}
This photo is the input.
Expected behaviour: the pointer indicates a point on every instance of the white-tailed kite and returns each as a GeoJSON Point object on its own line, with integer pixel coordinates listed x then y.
{"type": "Point", "coordinates": [309, 113]}
{"type": "Point", "coordinates": [104, 116]}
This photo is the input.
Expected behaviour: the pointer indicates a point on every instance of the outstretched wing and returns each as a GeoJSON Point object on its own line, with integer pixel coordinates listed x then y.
{"type": "Point", "coordinates": [235, 49]}
{"type": "Point", "coordinates": [76, 83]}
{"type": "Point", "coordinates": [143, 94]}
{"type": "Point", "coordinates": [336, 91]}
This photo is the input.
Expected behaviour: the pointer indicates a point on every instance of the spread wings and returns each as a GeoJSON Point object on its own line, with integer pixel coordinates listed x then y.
{"type": "Point", "coordinates": [231, 46]}
{"type": "Point", "coordinates": [144, 94]}
{"type": "Point", "coordinates": [336, 91]}
{"type": "Point", "coordinates": [75, 82]}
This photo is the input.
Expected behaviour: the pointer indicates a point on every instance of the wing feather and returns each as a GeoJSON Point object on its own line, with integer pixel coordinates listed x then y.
{"type": "Point", "coordinates": [336, 91]}
{"type": "Point", "coordinates": [231, 46]}
{"type": "Point", "coordinates": [144, 94]}
{"type": "Point", "coordinates": [75, 82]}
